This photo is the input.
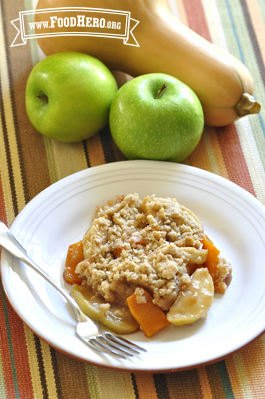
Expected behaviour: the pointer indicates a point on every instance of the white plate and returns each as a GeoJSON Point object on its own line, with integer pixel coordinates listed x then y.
{"type": "Point", "coordinates": [61, 214]}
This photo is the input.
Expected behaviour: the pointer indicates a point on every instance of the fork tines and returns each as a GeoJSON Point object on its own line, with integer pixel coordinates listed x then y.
{"type": "Point", "coordinates": [117, 346]}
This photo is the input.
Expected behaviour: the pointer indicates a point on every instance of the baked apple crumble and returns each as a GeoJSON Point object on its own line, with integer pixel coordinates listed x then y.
{"type": "Point", "coordinates": [152, 248]}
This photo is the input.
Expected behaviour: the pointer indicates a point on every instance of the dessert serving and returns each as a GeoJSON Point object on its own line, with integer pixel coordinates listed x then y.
{"type": "Point", "coordinates": [145, 263]}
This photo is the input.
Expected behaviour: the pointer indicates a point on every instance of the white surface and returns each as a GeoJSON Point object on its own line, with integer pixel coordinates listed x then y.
{"type": "Point", "coordinates": [61, 214]}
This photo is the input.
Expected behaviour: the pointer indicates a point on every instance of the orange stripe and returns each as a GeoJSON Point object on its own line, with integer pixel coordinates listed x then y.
{"type": "Point", "coordinates": [146, 387]}
{"type": "Point", "coordinates": [95, 151]}
{"type": "Point", "coordinates": [234, 158]}
{"type": "Point", "coordinates": [204, 381]}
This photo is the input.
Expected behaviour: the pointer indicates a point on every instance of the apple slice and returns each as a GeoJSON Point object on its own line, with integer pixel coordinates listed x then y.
{"type": "Point", "coordinates": [117, 318]}
{"type": "Point", "coordinates": [193, 303]}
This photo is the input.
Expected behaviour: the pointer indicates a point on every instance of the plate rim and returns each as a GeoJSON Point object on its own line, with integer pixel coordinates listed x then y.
{"type": "Point", "coordinates": [112, 166]}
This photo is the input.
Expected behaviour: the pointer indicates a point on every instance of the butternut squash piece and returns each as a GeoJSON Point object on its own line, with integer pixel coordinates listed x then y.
{"type": "Point", "coordinates": [212, 257]}
{"type": "Point", "coordinates": [147, 314]}
{"type": "Point", "coordinates": [74, 256]}
{"type": "Point", "coordinates": [222, 83]}
{"type": "Point", "coordinates": [218, 267]}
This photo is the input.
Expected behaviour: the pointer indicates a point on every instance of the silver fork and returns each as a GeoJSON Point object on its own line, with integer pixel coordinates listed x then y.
{"type": "Point", "coordinates": [86, 329]}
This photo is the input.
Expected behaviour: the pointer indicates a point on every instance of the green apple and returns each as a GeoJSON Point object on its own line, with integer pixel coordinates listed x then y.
{"type": "Point", "coordinates": [155, 116]}
{"type": "Point", "coordinates": [68, 96]}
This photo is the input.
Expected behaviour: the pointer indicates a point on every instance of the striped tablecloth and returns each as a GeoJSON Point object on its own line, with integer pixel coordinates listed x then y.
{"type": "Point", "coordinates": [29, 163]}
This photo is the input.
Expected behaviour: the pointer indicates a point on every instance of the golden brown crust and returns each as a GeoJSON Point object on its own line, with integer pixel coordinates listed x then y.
{"type": "Point", "coordinates": [146, 243]}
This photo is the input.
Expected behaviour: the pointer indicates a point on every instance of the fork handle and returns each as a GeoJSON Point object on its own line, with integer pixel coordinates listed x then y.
{"type": "Point", "coordinates": [10, 243]}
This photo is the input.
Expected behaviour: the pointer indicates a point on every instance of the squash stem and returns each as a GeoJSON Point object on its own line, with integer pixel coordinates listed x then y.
{"type": "Point", "coordinates": [161, 90]}
{"type": "Point", "coordinates": [247, 105]}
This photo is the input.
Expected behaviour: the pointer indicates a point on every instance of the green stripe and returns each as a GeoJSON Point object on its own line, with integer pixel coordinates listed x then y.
{"type": "Point", "coordinates": [9, 339]}
{"type": "Point", "coordinates": [228, 391]}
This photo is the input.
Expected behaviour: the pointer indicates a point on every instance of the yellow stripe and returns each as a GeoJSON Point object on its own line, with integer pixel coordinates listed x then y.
{"type": "Point", "coordinates": [92, 381]}
{"type": "Point", "coordinates": [33, 363]}
{"type": "Point", "coordinates": [242, 375]}
{"type": "Point", "coordinates": [68, 158]}
{"type": "Point", "coordinates": [113, 385]}
{"type": "Point", "coordinates": [48, 367]}
{"type": "Point", "coordinates": [51, 160]}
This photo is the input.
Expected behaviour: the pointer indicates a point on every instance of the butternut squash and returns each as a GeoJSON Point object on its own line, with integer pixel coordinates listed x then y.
{"type": "Point", "coordinates": [73, 257]}
{"type": "Point", "coordinates": [218, 267]}
{"type": "Point", "coordinates": [222, 83]}
{"type": "Point", "coordinates": [147, 314]}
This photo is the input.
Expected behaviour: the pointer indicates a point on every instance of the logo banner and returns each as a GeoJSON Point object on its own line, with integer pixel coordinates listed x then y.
{"type": "Point", "coordinates": [75, 21]}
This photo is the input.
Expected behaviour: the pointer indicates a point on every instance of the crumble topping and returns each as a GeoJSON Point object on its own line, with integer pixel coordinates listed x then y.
{"type": "Point", "coordinates": [140, 297]}
{"type": "Point", "coordinates": [149, 243]}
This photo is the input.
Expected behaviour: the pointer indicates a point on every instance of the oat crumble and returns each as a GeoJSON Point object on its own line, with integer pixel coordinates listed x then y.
{"type": "Point", "coordinates": [149, 243]}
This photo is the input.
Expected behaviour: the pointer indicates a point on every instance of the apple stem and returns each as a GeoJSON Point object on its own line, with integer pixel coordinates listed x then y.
{"type": "Point", "coordinates": [42, 97]}
{"type": "Point", "coordinates": [161, 90]}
